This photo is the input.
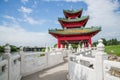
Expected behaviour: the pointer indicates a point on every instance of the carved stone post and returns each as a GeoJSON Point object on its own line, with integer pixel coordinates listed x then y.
{"type": "Point", "coordinates": [47, 54]}
{"type": "Point", "coordinates": [79, 48]}
{"type": "Point", "coordinates": [22, 65]}
{"type": "Point", "coordinates": [83, 48]}
{"type": "Point", "coordinates": [7, 56]}
{"type": "Point", "coordinates": [46, 49]}
{"type": "Point", "coordinates": [99, 58]}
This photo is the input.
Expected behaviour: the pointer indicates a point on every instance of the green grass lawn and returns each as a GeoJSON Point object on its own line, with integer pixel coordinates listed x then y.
{"type": "Point", "coordinates": [114, 49]}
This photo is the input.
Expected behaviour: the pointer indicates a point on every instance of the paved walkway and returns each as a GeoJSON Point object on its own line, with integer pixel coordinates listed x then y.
{"type": "Point", "coordinates": [58, 72]}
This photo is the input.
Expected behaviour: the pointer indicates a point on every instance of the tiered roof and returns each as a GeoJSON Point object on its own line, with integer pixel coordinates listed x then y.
{"type": "Point", "coordinates": [74, 19]}
{"type": "Point", "coordinates": [76, 31]}
{"type": "Point", "coordinates": [74, 24]}
{"type": "Point", "coordinates": [72, 13]}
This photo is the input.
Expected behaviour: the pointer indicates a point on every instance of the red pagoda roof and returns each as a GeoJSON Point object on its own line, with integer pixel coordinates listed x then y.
{"type": "Point", "coordinates": [72, 13]}
{"type": "Point", "coordinates": [73, 23]}
{"type": "Point", "coordinates": [77, 31]}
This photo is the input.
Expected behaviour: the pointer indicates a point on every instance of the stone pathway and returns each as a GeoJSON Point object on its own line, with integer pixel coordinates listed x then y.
{"type": "Point", "coordinates": [58, 72]}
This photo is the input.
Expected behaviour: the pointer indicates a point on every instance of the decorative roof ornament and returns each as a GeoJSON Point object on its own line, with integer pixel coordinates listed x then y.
{"type": "Point", "coordinates": [100, 46]}
{"type": "Point", "coordinates": [7, 48]}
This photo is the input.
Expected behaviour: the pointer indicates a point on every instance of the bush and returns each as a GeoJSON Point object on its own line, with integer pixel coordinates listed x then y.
{"type": "Point", "coordinates": [42, 55]}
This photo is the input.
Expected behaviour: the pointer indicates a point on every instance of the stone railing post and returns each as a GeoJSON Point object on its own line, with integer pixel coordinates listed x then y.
{"type": "Point", "coordinates": [78, 48]}
{"type": "Point", "coordinates": [46, 49]}
{"type": "Point", "coordinates": [7, 56]}
{"type": "Point", "coordinates": [47, 54]}
{"type": "Point", "coordinates": [21, 49]}
{"type": "Point", "coordinates": [83, 49]}
{"type": "Point", "coordinates": [100, 56]}
{"type": "Point", "coordinates": [22, 61]}
{"type": "Point", "coordinates": [70, 49]}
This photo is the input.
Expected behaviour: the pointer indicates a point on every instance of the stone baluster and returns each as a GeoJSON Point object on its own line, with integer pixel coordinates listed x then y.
{"type": "Point", "coordinates": [83, 48]}
{"type": "Point", "coordinates": [22, 65]}
{"type": "Point", "coordinates": [99, 58]}
{"type": "Point", "coordinates": [70, 50]}
{"type": "Point", "coordinates": [7, 56]}
{"type": "Point", "coordinates": [47, 54]}
{"type": "Point", "coordinates": [21, 49]}
{"type": "Point", "coordinates": [79, 48]}
{"type": "Point", "coordinates": [89, 49]}
{"type": "Point", "coordinates": [70, 47]}
{"type": "Point", "coordinates": [65, 47]}
{"type": "Point", "coordinates": [46, 49]}
{"type": "Point", "coordinates": [51, 49]}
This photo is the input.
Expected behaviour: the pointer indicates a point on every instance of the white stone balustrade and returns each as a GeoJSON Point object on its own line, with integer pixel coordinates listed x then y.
{"type": "Point", "coordinates": [4, 70]}
{"type": "Point", "coordinates": [13, 67]}
{"type": "Point", "coordinates": [82, 67]}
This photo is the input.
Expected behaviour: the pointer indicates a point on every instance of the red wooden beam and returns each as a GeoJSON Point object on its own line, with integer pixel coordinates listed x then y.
{"type": "Point", "coordinates": [75, 38]}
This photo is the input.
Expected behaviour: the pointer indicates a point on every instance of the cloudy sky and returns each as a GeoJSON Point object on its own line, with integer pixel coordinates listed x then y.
{"type": "Point", "coordinates": [26, 22]}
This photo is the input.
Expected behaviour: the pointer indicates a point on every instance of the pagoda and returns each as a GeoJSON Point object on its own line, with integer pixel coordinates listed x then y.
{"type": "Point", "coordinates": [73, 29]}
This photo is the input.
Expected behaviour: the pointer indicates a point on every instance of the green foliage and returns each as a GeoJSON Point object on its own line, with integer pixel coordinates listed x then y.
{"type": "Point", "coordinates": [75, 46]}
{"type": "Point", "coordinates": [55, 45]}
{"type": "Point", "coordinates": [13, 48]}
{"type": "Point", "coordinates": [94, 44]}
{"type": "Point", "coordinates": [1, 50]}
{"type": "Point", "coordinates": [114, 49]}
{"type": "Point", "coordinates": [42, 55]}
{"type": "Point", "coordinates": [43, 50]}
{"type": "Point", "coordinates": [104, 41]}
{"type": "Point", "coordinates": [108, 42]}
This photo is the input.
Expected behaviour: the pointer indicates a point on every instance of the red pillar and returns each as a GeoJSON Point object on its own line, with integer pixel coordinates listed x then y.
{"type": "Point", "coordinates": [90, 41]}
{"type": "Point", "coordinates": [59, 43]}
{"type": "Point", "coordinates": [63, 45]}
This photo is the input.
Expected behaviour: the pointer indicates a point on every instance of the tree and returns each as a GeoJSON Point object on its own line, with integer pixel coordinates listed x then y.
{"type": "Point", "coordinates": [104, 41]}
{"type": "Point", "coordinates": [1, 50]}
{"type": "Point", "coordinates": [94, 44]}
{"type": "Point", "coordinates": [55, 45]}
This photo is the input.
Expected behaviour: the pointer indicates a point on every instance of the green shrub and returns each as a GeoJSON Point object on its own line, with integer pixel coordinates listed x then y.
{"type": "Point", "coordinates": [42, 55]}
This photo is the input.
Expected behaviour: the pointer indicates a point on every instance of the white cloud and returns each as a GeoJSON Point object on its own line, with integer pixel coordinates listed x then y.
{"type": "Point", "coordinates": [35, 4]}
{"type": "Point", "coordinates": [104, 13]}
{"type": "Point", "coordinates": [10, 18]}
{"type": "Point", "coordinates": [32, 21]}
{"type": "Point", "coordinates": [25, 10]}
{"type": "Point", "coordinates": [24, 1]}
{"type": "Point", "coordinates": [14, 34]}
{"type": "Point", "coordinates": [72, 0]}
{"type": "Point", "coordinates": [27, 18]}
{"type": "Point", "coordinates": [6, 0]}
{"type": "Point", "coordinates": [64, 0]}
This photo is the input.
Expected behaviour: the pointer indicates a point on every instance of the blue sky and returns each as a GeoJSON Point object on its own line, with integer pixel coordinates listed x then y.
{"type": "Point", "coordinates": [26, 22]}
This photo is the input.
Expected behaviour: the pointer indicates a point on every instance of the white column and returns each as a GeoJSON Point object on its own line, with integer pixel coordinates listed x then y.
{"type": "Point", "coordinates": [22, 65]}
{"type": "Point", "coordinates": [46, 49]}
{"type": "Point", "coordinates": [99, 58]}
{"type": "Point", "coordinates": [7, 56]}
